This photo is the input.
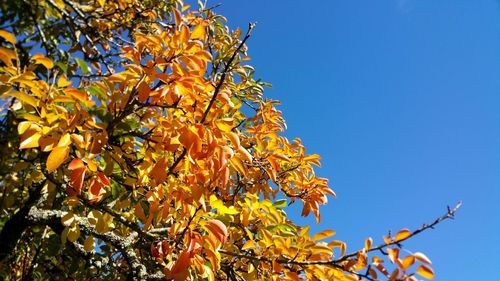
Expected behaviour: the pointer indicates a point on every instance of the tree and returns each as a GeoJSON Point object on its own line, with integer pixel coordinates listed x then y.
{"type": "Point", "coordinates": [136, 143]}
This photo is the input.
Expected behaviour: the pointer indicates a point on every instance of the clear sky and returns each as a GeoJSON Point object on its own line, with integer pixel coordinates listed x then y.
{"type": "Point", "coordinates": [401, 98]}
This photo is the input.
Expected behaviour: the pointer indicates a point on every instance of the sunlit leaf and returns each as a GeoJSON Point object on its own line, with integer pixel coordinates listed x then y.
{"type": "Point", "coordinates": [425, 271]}
{"type": "Point", "coordinates": [56, 157]}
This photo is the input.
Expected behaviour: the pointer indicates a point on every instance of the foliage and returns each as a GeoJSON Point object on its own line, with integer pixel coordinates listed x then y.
{"type": "Point", "coordinates": [136, 143]}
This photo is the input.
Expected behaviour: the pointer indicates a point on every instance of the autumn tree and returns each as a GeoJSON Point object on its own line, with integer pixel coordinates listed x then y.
{"type": "Point", "coordinates": [136, 144]}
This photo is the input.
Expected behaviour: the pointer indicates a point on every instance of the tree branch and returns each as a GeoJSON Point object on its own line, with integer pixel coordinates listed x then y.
{"type": "Point", "coordinates": [224, 73]}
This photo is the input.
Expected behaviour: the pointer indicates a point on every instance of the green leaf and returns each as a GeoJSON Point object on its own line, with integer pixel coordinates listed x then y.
{"type": "Point", "coordinates": [83, 65]}
{"type": "Point", "coordinates": [280, 204]}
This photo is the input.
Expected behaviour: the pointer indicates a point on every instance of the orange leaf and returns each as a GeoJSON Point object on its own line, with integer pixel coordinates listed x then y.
{"type": "Point", "coordinates": [407, 262]}
{"type": "Point", "coordinates": [323, 235]}
{"type": "Point", "coordinates": [402, 234]}
{"type": "Point", "coordinates": [218, 229]}
{"type": "Point", "coordinates": [8, 36]}
{"type": "Point", "coordinates": [368, 244]}
{"type": "Point", "coordinates": [425, 271]}
{"type": "Point", "coordinates": [56, 157]}
{"type": "Point", "coordinates": [182, 264]}
{"type": "Point", "coordinates": [76, 163]}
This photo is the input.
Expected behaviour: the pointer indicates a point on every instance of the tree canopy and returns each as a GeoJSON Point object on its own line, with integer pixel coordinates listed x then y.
{"type": "Point", "coordinates": [136, 143]}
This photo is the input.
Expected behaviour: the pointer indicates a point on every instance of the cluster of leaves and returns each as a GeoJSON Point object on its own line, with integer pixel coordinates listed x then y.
{"type": "Point", "coordinates": [128, 147]}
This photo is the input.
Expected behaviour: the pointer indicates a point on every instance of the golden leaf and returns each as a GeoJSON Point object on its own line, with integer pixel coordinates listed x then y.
{"type": "Point", "coordinates": [30, 137]}
{"type": "Point", "coordinates": [8, 36]}
{"type": "Point", "coordinates": [198, 32]}
{"type": "Point", "coordinates": [323, 235]}
{"type": "Point", "coordinates": [56, 157]}
{"type": "Point", "coordinates": [68, 219]}
{"type": "Point", "coordinates": [425, 271]}
{"type": "Point", "coordinates": [24, 97]}
{"type": "Point", "coordinates": [41, 59]}
{"type": "Point", "coordinates": [88, 245]}
{"type": "Point", "coordinates": [368, 243]}
{"type": "Point", "coordinates": [63, 82]}
{"type": "Point", "coordinates": [402, 234]}
{"type": "Point", "coordinates": [407, 262]}
{"type": "Point", "coordinates": [393, 254]}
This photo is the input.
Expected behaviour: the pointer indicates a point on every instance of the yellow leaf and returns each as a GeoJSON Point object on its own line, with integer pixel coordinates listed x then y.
{"type": "Point", "coordinates": [425, 271]}
{"type": "Point", "coordinates": [198, 32]}
{"type": "Point", "coordinates": [23, 97]}
{"type": "Point", "coordinates": [422, 258]}
{"type": "Point", "coordinates": [30, 137]}
{"type": "Point", "coordinates": [238, 165]}
{"type": "Point", "coordinates": [88, 245]}
{"type": "Point", "coordinates": [41, 59]}
{"type": "Point", "coordinates": [65, 140]}
{"type": "Point", "coordinates": [56, 157]}
{"type": "Point", "coordinates": [102, 2]}
{"type": "Point", "coordinates": [23, 126]}
{"type": "Point", "coordinates": [250, 244]}
{"type": "Point", "coordinates": [63, 81]}
{"type": "Point", "coordinates": [402, 234]}
{"type": "Point", "coordinates": [8, 36]}
{"type": "Point", "coordinates": [323, 235]}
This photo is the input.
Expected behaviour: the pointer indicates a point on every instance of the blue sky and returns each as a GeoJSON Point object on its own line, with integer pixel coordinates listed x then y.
{"type": "Point", "coordinates": [401, 99]}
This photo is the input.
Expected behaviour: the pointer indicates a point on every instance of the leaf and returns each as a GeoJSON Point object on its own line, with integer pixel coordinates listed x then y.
{"type": "Point", "coordinates": [23, 126]}
{"type": "Point", "coordinates": [425, 271]}
{"type": "Point", "coordinates": [218, 229]}
{"type": "Point", "coordinates": [68, 219]}
{"type": "Point", "coordinates": [76, 163]}
{"type": "Point", "coordinates": [393, 254]}
{"type": "Point", "coordinates": [250, 244]}
{"type": "Point", "coordinates": [73, 233]}
{"type": "Point", "coordinates": [198, 32]}
{"type": "Point", "coordinates": [221, 208]}
{"type": "Point", "coordinates": [422, 258]}
{"type": "Point", "coordinates": [41, 59]}
{"type": "Point", "coordinates": [88, 245]}
{"type": "Point", "coordinates": [280, 204]}
{"type": "Point", "coordinates": [402, 234]}
{"type": "Point", "coordinates": [56, 157]}
{"type": "Point", "coordinates": [323, 235]}
{"type": "Point", "coordinates": [65, 140]}
{"type": "Point", "coordinates": [407, 262]}
{"type": "Point", "coordinates": [182, 263]}
{"type": "Point", "coordinates": [9, 37]}
{"type": "Point", "coordinates": [25, 98]}
{"type": "Point", "coordinates": [63, 82]}
{"type": "Point", "coordinates": [103, 179]}
{"type": "Point", "coordinates": [82, 65]}
{"type": "Point", "coordinates": [77, 177]}
{"type": "Point", "coordinates": [368, 244]}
